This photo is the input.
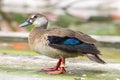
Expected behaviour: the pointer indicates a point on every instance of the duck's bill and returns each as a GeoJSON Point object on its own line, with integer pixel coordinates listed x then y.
{"type": "Point", "coordinates": [26, 23]}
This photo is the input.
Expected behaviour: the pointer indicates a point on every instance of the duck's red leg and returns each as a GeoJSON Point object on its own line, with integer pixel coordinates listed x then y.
{"type": "Point", "coordinates": [61, 69]}
{"type": "Point", "coordinates": [54, 68]}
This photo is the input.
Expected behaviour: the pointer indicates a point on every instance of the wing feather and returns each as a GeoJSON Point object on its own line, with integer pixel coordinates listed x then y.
{"type": "Point", "coordinates": [62, 32]}
{"type": "Point", "coordinates": [78, 46]}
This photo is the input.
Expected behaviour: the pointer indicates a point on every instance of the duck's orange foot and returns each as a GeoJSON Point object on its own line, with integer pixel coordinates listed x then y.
{"type": "Point", "coordinates": [49, 69]}
{"type": "Point", "coordinates": [58, 69]}
{"type": "Point", "coordinates": [61, 71]}
{"type": "Point", "coordinates": [55, 68]}
{"type": "Point", "coordinates": [55, 72]}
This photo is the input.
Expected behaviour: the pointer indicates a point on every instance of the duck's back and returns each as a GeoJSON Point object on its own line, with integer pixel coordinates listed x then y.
{"type": "Point", "coordinates": [62, 32]}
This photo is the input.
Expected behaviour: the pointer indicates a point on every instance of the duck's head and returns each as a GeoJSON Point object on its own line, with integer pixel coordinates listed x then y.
{"type": "Point", "coordinates": [38, 20]}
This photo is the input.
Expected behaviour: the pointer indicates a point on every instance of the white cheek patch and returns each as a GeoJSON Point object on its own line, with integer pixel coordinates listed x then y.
{"type": "Point", "coordinates": [40, 21]}
{"type": "Point", "coordinates": [32, 16]}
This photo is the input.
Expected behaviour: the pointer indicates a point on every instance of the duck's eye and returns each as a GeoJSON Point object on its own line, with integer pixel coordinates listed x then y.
{"type": "Point", "coordinates": [35, 16]}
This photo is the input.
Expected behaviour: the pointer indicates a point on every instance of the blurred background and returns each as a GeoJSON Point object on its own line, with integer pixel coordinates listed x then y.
{"type": "Point", "coordinates": [97, 18]}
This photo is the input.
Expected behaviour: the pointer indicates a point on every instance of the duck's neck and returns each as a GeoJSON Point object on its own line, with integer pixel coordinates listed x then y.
{"type": "Point", "coordinates": [43, 26]}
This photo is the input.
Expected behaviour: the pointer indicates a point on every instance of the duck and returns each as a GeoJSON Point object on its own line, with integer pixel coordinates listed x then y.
{"type": "Point", "coordinates": [59, 43]}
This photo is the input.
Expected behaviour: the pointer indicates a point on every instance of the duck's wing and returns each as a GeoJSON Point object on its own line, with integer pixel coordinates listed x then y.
{"type": "Point", "coordinates": [84, 37]}
{"type": "Point", "coordinates": [71, 44]}
{"type": "Point", "coordinates": [62, 32]}
{"type": "Point", "coordinates": [70, 40]}
{"type": "Point", "coordinates": [73, 41]}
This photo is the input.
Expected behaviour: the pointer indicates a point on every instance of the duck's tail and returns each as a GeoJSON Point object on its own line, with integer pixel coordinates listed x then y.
{"type": "Point", "coordinates": [95, 58]}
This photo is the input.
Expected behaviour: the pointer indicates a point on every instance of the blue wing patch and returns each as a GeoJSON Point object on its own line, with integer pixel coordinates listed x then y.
{"type": "Point", "coordinates": [71, 41]}
{"type": "Point", "coordinates": [64, 40]}
{"type": "Point", "coordinates": [71, 44]}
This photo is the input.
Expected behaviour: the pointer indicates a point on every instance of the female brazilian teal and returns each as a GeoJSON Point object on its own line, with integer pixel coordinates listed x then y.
{"type": "Point", "coordinates": [59, 43]}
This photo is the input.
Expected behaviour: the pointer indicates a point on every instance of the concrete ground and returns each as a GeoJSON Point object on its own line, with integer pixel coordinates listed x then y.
{"type": "Point", "coordinates": [73, 66]}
